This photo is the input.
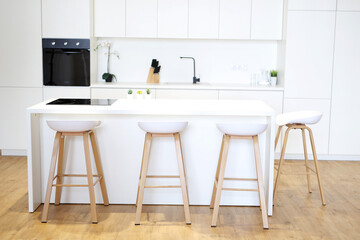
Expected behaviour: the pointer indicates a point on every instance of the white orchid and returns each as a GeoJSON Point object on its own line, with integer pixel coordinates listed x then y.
{"type": "Point", "coordinates": [108, 53]}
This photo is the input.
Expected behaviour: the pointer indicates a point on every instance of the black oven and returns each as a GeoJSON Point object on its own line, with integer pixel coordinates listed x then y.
{"type": "Point", "coordinates": [66, 62]}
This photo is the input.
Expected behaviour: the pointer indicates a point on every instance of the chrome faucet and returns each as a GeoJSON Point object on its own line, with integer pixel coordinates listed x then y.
{"type": "Point", "coordinates": [195, 80]}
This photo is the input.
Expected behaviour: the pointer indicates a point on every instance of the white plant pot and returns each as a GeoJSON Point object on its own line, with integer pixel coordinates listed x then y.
{"type": "Point", "coordinates": [130, 96]}
{"type": "Point", "coordinates": [273, 81]}
{"type": "Point", "coordinates": [148, 96]}
{"type": "Point", "coordinates": [139, 96]}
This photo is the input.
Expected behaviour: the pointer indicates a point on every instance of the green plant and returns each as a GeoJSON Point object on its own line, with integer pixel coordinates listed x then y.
{"type": "Point", "coordinates": [139, 92]}
{"type": "Point", "coordinates": [148, 91]}
{"type": "Point", "coordinates": [130, 91]}
{"type": "Point", "coordinates": [108, 75]}
{"type": "Point", "coordinates": [273, 73]}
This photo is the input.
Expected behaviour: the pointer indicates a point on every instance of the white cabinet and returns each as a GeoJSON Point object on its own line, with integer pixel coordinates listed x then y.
{"type": "Point", "coordinates": [348, 5]}
{"type": "Point", "coordinates": [66, 19]}
{"type": "Point", "coordinates": [345, 107]}
{"type": "Point", "coordinates": [186, 94]}
{"type": "Point", "coordinates": [113, 93]}
{"type": "Point", "coordinates": [266, 19]}
{"type": "Point", "coordinates": [320, 130]}
{"type": "Point", "coordinates": [13, 104]}
{"type": "Point", "coordinates": [204, 19]}
{"type": "Point", "coordinates": [109, 18]}
{"type": "Point", "coordinates": [273, 98]}
{"type": "Point", "coordinates": [235, 16]}
{"type": "Point", "coordinates": [312, 4]}
{"type": "Point", "coordinates": [66, 92]}
{"type": "Point", "coordinates": [309, 54]}
{"type": "Point", "coordinates": [141, 18]}
{"type": "Point", "coordinates": [173, 18]}
{"type": "Point", "coordinates": [20, 43]}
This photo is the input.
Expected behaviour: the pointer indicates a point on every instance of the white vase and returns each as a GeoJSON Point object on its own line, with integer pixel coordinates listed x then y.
{"type": "Point", "coordinates": [139, 96]}
{"type": "Point", "coordinates": [273, 81]}
{"type": "Point", "coordinates": [130, 96]}
{"type": "Point", "coordinates": [148, 96]}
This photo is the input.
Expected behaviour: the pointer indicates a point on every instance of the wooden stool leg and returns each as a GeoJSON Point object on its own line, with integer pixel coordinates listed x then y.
{"type": "Point", "coordinates": [182, 177]}
{"type": "Point", "coordinates": [306, 160]}
{"type": "Point", "coordinates": [280, 163]}
{"type": "Point", "coordinates": [221, 180]}
{"type": "Point", "coordinates": [260, 181]}
{"type": "Point", "coordinates": [217, 175]}
{"type": "Point", "coordinates": [142, 164]}
{"type": "Point", "coordinates": [145, 160]}
{"type": "Point", "coordinates": [59, 171]}
{"type": "Point", "coordinates": [99, 169]}
{"type": "Point", "coordinates": [50, 179]}
{"type": "Point", "coordinates": [316, 165]}
{"type": "Point", "coordinates": [277, 136]}
{"type": "Point", "coordinates": [90, 177]}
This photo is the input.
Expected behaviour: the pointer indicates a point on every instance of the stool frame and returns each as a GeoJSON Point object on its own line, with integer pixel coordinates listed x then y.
{"type": "Point", "coordinates": [144, 176]}
{"type": "Point", "coordinates": [58, 156]}
{"type": "Point", "coordinates": [220, 177]}
{"type": "Point", "coordinates": [309, 171]}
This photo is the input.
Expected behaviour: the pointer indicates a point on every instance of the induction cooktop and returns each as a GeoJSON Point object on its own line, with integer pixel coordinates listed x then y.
{"type": "Point", "coordinates": [82, 101]}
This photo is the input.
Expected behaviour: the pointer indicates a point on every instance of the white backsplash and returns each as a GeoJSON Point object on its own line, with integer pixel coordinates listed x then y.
{"type": "Point", "coordinates": [217, 61]}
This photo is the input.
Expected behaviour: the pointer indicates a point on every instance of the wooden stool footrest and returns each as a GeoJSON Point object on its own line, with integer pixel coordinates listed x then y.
{"type": "Point", "coordinates": [239, 189]}
{"type": "Point", "coordinates": [161, 176]}
{"type": "Point", "coordinates": [75, 175]}
{"type": "Point", "coordinates": [169, 186]}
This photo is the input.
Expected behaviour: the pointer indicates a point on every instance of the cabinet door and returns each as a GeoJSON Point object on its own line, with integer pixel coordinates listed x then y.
{"type": "Point", "coordinates": [66, 92]}
{"type": "Point", "coordinates": [235, 16]}
{"type": "Point", "coordinates": [13, 104]}
{"type": "Point", "coordinates": [109, 93]}
{"type": "Point", "coordinates": [141, 18]}
{"type": "Point", "coordinates": [109, 18]}
{"type": "Point", "coordinates": [173, 18]}
{"type": "Point", "coordinates": [66, 19]}
{"type": "Point", "coordinates": [20, 44]}
{"type": "Point", "coordinates": [345, 105]}
{"type": "Point", "coordinates": [312, 5]}
{"type": "Point", "coordinates": [186, 94]}
{"type": "Point", "coordinates": [204, 19]}
{"type": "Point", "coordinates": [309, 54]}
{"type": "Point", "coordinates": [348, 5]}
{"type": "Point", "coordinates": [320, 130]}
{"type": "Point", "coordinates": [266, 19]}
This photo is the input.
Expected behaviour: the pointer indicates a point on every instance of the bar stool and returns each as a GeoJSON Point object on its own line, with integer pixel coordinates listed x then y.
{"type": "Point", "coordinates": [298, 120]}
{"type": "Point", "coordinates": [162, 129]}
{"type": "Point", "coordinates": [238, 131]}
{"type": "Point", "coordinates": [74, 128]}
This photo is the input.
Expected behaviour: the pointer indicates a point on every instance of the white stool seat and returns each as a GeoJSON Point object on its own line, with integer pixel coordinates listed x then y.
{"type": "Point", "coordinates": [242, 129]}
{"type": "Point", "coordinates": [300, 117]}
{"type": "Point", "coordinates": [163, 127]}
{"type": "Point", "coordinates": [73, 126]}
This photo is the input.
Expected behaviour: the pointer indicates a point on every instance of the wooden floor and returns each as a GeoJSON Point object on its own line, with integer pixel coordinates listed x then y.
{"type": "Point", "coordinates": [297, 214]}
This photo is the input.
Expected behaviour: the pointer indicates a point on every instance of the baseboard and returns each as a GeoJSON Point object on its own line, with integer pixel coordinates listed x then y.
{"type": "Point", "coordinates": [13, 152]}
{"type": "Point", "coordinates": [332, 157]}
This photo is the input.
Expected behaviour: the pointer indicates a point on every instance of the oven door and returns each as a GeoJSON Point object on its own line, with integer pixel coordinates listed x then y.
{"type": "Point", "coordinates": [66, 67]}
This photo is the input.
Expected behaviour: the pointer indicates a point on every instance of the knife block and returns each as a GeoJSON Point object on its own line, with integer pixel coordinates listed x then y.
{"type": "Point", "coordinates": [153, 77]}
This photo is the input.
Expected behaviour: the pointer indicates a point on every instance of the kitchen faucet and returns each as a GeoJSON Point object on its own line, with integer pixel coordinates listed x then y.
{"type": "Point", "coordinates": [195, 80]}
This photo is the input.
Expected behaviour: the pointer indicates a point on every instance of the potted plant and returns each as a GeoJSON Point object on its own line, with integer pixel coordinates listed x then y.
{"type": "Point", "coordinates": [148, 94]}
{"type": "Point", "coordinates": [130, 94]}
{"type": "Point", "coordinates": [273, 79]}
{"type": "Point", "coordinates": [107, 76]}
{"type": "Point", "coordinates": [139, 95]}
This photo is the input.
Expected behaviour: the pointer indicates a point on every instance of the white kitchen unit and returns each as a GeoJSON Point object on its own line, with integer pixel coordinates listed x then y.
{"type": "Point", "coordinates": [329, 5]}
{"type": "Point", "coordinates": [173, 18]}
{"type": "Point", "coordinates": [115, 93]}
{"type": "Point", "coordinates": [13, 104]}
{"type": "Point", "coordinates": [20, 44]}
{"type": "Point", "coordinates": [186, 94]}
{"type": "Point", "coordinates": [66, 19]}
{"type": "Point", "coordinates": [345, 104]}
{"type": "Point", "coordinates": [309, 54]}
{"type": "Point", "coordinates": [141, 18]}
{"type": "Point", "coordinates": [348, 5]}
{"type": "Point", "coordinates": [65, 92]}
{"type": "Point", "coordinates": [204, 19]}
{"type": "Point", "coordinates": [266, 19]}
{"type": "Point", "coordinates": [235, 19]}
{"type": "Point", "coordinates": [321, 129]}
{"type": "Point", "coordinates": [120, 143]}
{"type": "Point", "coordinates": [109, 18]}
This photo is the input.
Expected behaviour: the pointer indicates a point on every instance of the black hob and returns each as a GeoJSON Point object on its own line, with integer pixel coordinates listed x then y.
{"type": "Point", "coordinates": [82, 101]}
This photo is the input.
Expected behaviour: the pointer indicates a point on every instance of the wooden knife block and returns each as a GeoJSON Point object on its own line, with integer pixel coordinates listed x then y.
{"type": "Point", "coordinates": [153, 77]}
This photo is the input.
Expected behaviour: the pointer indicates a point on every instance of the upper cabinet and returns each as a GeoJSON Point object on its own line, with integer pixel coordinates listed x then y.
{"type": "Point", "coordinates": [266, 19]}
{"type": "Point", "coordinates": [348, 5]}
{"type": "Point", "coordinates": [204, 19]}
{"type": "Point", "coordinates": [141, 18]}
{"type": "Point", "coordinates": [312, 4]}
{"type": "Point", "coordinates": [235, 19]}
{"type": "Point", "coordinates": [66, 19]}
{"type": "Point", "coordinates": [109, 18]}
{"type": "Point", "coordinates": [173, 18]}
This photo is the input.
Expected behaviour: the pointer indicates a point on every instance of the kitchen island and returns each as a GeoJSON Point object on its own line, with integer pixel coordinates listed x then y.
{"type": "Point", "coordinates": [120, 143]}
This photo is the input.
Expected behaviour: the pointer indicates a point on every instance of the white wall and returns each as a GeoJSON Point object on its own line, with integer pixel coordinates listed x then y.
{"type": "Point", "coordinates": [216, 60]}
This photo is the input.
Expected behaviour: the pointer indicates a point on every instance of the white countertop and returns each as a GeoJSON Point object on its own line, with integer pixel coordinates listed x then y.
{"type": "Point", "coordinates": [163, 107]}
{"type": "Point", "coordinates": [188, 86]}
